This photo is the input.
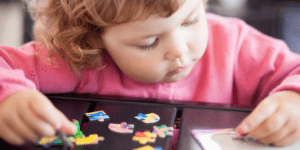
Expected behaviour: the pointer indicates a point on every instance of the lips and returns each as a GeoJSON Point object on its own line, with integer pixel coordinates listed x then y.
{"type": "Point", "coordinates": [178, 70]}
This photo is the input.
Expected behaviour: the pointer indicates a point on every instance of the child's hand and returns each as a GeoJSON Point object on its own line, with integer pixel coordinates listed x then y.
{"type": "Point", "coordinates": [276, 120]}
{"type": "Point", "coordinates": [28, 116]}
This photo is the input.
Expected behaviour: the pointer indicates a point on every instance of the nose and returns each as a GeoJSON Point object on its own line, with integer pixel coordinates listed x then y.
{"type": "Point", "coordinates": [176, 45]}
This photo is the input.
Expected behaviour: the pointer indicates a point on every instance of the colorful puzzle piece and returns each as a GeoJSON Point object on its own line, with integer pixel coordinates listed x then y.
{"type": "Point", "coordinates": [79, 132]}
{"type": "Point", "coordinates": [121, 128]}
{"type": "Point", "coordinates": [78, 138]}
{"type": "Point", "coordinates": [140, 116]}
{"type": "Point", "coordinates": [46, 142]}
{"type": "Point", "coordinates": [144, 137]}
{"type": "Point", "coordinates": [148, 118]}
{"type": "Point", "coordinates": [163, 130]}
{"type": "Point", "coordinates": [97, 115]}
{"type": "Point", "coordinates": [148, 147]}
{"type": "Point", "coordinates": [91, 139]}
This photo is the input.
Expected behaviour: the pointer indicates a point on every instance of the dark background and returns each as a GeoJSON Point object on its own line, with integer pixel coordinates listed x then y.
{"type": "Point", "coordinates": [276, 18]}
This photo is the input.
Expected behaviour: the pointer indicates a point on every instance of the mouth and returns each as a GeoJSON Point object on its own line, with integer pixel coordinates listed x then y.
{"type": "Point", "coordinates": [178, 70]}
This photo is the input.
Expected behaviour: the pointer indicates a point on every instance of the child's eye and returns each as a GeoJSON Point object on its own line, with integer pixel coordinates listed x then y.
{"type": "Point", "coordinates": [191, 22]}
{"type": "Point", "coordinates": [150, 46]}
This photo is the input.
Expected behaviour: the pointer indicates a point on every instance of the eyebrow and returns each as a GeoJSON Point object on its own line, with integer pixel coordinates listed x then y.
{"type": "Point", "coordinates": [192, 12]}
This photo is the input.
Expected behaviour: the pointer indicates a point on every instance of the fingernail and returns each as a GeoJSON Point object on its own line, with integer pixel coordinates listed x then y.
{"type": "Point", "coordinates": [245, 128]}
{"type": "Point", "coordinates": [238, 135]}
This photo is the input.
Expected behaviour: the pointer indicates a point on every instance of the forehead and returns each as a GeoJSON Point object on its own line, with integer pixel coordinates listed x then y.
{"type": "Point", "coordinates": [155, 24]}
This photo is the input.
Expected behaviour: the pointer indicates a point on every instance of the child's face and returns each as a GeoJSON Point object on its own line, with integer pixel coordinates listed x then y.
{"type": "Point", "coordinates": [160, 49]}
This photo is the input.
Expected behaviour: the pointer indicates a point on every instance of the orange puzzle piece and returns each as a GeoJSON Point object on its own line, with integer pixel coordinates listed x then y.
{"type": "Point", "coordinates": [144, 137]}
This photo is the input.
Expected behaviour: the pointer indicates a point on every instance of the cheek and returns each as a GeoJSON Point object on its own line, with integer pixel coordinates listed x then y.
{"type": "Point", "coordinates": [147, 68]}
{"type": "Point", "coordinates": [198, 47]}
{"type": "Point", "coordinates": [145, 74]}
{"type": "Point", "coordinates": [140, 67]}
{"type": "Point", "coordinates": [200, 39]}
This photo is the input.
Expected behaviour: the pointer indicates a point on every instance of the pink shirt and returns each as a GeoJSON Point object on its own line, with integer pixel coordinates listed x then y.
{"type": "Point", "coordinates": [240, 66]}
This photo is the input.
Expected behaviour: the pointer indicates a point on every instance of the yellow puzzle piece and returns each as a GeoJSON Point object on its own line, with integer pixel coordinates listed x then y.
{"type": "Point", "coordinates": [151, 118]}
{"type": "Point", "coordinates": [91, 139]}
{"type": "Point", "coordinates": [147, 147]}
{"type": "Point", "coordinates": [46, 140]}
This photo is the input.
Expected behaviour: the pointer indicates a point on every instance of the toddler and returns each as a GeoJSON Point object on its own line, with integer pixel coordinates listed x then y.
{"type": "Point", "coordinates": [162, 49]}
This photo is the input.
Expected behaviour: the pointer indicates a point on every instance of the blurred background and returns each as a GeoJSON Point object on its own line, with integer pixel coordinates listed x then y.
{"type": "Point", "coordinates": [276, 18]}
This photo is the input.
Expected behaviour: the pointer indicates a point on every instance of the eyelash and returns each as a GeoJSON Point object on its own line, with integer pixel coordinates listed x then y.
{"type": "Point", "coordinates": [152, 45]}
{"type": "Point", "coordinates": [191, 23]}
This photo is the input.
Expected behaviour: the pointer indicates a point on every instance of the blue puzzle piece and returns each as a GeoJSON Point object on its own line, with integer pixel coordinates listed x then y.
{"type": "Point", "coordinates": [158, 148]}
{"type": "Point", "coordinates": [99, 117]}
{"type": "Point", "coordinates": [140, 116]}
{"type": "Point", "coordinates": [96, 114]}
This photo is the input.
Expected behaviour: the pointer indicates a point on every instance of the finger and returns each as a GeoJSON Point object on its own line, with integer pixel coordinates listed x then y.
{"type": "Point", "coordinates": [264, 110]}
{"type": "Point", "coordinates": [276, 136]}
{"type": "Point", "coordinates": [19, 127]}
{"type": "Point", "coordinates": [43, 107]}
{"type": "Point", "coordinates": [270, 126]}
{"type": "Point", "coordinates": [36, 124]}
{"type": "Point", "coordinates": [68, 127]}
{"type": "Point", "coordinates": [56, 118]}
{"type": "Point", "coordinates": [10, 136]}
{"type": "Point", "coordinates": [289, 139]}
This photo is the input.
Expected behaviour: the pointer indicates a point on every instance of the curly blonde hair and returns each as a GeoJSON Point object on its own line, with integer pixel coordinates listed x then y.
{"type": "Point", "coordinates": [69, 27]}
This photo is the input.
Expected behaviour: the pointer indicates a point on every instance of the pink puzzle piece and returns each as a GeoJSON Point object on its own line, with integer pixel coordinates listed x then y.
{"type": "Point", "coordinates": [121, 128]}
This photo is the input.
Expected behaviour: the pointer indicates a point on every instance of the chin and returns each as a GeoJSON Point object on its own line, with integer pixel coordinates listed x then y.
{"type": "Point", "coordinates": [171, 80]}
{"type": "Point", "coordinates": [163, 80]}
{"type": "Point", "coordinates": [145, 80]}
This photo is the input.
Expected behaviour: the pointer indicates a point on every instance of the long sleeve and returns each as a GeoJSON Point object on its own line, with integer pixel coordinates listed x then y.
{"type": "Point", "coordinates": [264, 65]}
{"type": "Point", "coordinates": [242, 65]}
{"type": "Point", "coordinates": [29, 67]}
{"type": "Point", "coordinates": [12, 79]}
